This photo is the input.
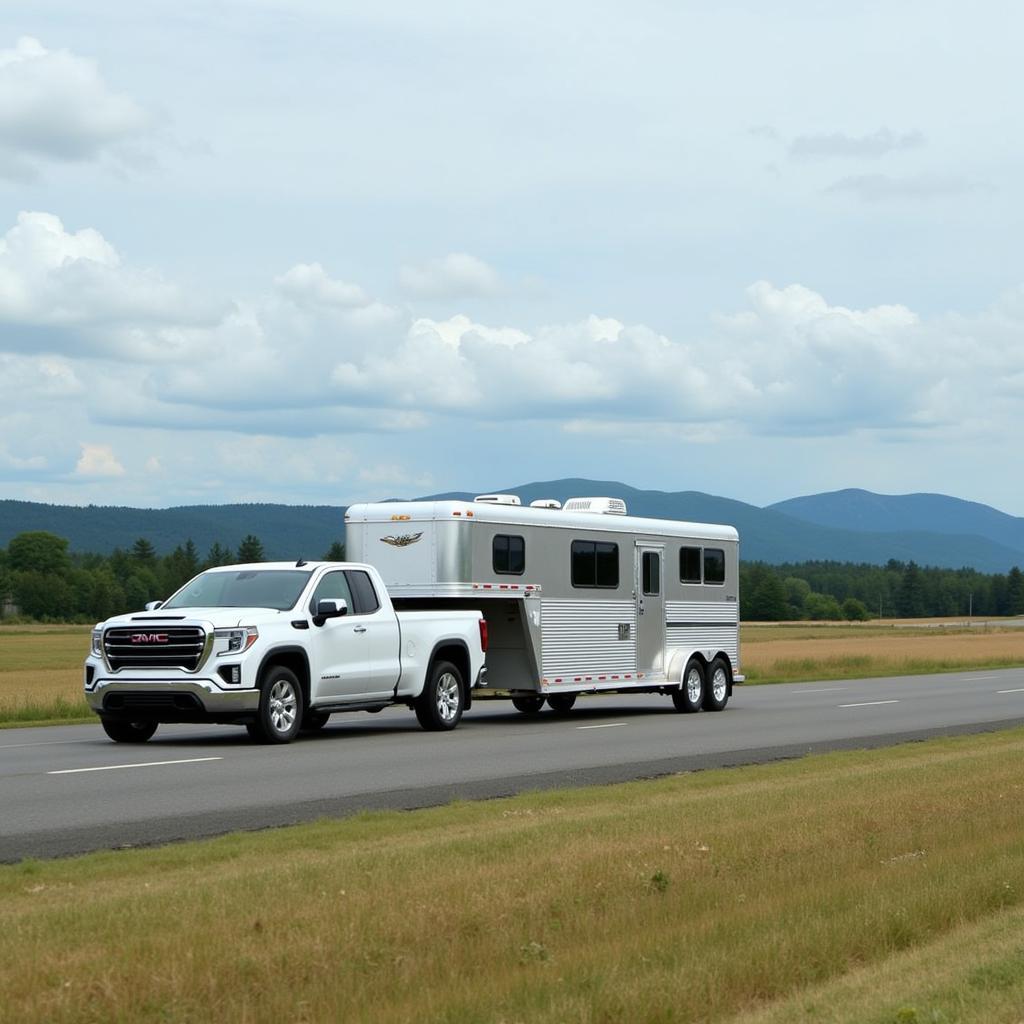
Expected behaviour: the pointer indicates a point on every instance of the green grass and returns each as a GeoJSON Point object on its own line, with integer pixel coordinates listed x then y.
{"type": "Point", "coordinates": [863, 666]}
{"type": "Point", "coordinates": [883, 886]}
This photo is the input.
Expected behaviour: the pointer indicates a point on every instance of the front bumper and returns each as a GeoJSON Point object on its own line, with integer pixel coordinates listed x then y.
{"type": "Point", "coordinates": [171, 700]}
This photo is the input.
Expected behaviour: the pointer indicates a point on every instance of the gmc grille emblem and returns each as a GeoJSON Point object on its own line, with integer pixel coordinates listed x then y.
{"type": "Point", "coordinates": [149, 638]}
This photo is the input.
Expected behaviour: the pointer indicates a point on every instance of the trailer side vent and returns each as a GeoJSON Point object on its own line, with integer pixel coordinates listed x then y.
{"type": "Point", "coordinates": [546, 503]}
{"type": "Point", "coordinates": [607, 506]}
{"type": "Point", "coordinates": [498, 499]}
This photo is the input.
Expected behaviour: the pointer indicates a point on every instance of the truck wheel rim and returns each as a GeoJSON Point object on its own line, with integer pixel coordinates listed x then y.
{"type": "Point", "coordinates": [693, 686]}
{"type": "Point", "coordinates": [719, 684]}
{"type": "Point", "coordinates": [447, 696]}
{"type": "Point", "coordinates": [283, 705]}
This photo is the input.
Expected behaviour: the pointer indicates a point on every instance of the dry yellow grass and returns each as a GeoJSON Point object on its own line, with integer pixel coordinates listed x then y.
{"type": "Point", "coordinates": [41, 673]}
{"type": "Point", "coordinates": [838, 888]}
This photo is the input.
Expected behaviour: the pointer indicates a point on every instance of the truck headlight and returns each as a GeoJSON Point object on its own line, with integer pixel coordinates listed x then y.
{"type": "Point", "coordinates": [235, 641]}
{"type": "Point", "coordinates": [97, 643]}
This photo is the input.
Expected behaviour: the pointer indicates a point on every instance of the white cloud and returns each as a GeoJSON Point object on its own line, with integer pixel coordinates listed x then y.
{"type": "Point", "coordinates": [838, 144]}
{"type": "Point", "coordinates": [69, 291]}
{"type": "Point", "coordinates": [98, 460]}
{"type": "Point", "coordinates": [55, 106]}
{"type": "Point", "coordinates": [456, 275]}
{"type": "Point", "coordinates": [309, 283]}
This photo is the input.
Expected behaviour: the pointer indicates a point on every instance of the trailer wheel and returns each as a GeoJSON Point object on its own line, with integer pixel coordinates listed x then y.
{"type": "Point", "coordinates": [528, 705]}
{"type": "Point", "coordinates": [716, 696]}
{"type": "Point", "coordinates": [128, 732]}
{"type": "Point", "coordinates": [280, 711]}
{"type": "Point", "coordinates": [561, 703]}
{"type": "Point", "coordinates": [314, 721]}
{"type": "Point", "coordinates": [690, 695]}
{"type": "Point", "coordinates": [439, 706]}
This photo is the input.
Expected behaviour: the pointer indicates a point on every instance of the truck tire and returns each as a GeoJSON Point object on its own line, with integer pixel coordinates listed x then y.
{"type": "Point", "coordinates": [127, 732]}
{"type": "Point", "coordinates": [528, 705]}
{"type": "Point", "coordinates": [561, 703]}
{"type": "Point", "coordinates": [439, 707]}
{"type": "Point", "coordinates": [280, 713]}
{"type": "Point", "coordinates": [690, 695]}
{"type": "Point", "coordinates": [716, 694]}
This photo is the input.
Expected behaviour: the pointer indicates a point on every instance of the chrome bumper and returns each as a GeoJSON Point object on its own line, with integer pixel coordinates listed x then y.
{"type": "Point", "coordinates": [214, 699]}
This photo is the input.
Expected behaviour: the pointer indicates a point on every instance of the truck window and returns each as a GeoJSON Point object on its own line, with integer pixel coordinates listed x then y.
{"type": "Point", "coordinates": [508, 555]}
{"type": "Point", "coordinates": [714, 565]}
{"type": "Point", "coordinates": [595, 564]}
{"type": "Point", "coordinates": [689, 565]}
{"type": "Point", "coordinates": [362, 589]}
{"type": "Point", "coordinates": [333, 587]}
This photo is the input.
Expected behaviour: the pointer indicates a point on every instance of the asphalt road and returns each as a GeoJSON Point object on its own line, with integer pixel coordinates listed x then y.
{"type": "Point", "coordinates": [68, 789]}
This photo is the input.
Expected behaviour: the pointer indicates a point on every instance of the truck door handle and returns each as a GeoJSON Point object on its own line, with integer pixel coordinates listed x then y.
{"type": "Point", "coordinates": [358, 629]}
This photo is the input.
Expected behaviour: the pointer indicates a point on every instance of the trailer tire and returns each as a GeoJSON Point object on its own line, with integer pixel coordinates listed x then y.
{"type": "Point", "coordinates": [279, 717]}
{"type": "Point", "coordinates": [690, 695]}
{"type": "Point", "coordinates": [439, 707]}
{"type": "Point", "coordinates": [561, 703]}
{"type": "Point", "coordinates": [128, 732]}
{"type": "Point", "coordinates": [528, 705]}
{"type": "Point", "coordinates": [716, 693]}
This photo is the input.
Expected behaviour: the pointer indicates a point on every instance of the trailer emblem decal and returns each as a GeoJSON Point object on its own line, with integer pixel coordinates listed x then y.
{"type": "Point", "coordinates": [403, 541]}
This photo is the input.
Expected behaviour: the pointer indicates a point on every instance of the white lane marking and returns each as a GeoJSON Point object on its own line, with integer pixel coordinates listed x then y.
{"type": "Point", "coordinates": [142, 764]}
{"type": "Point", "coordinates": [610, 725]}
{"type": "Point", "coordinates": [45, 743]}
{"type": "Point", "coordinates": [830, 689]}
{"type": "Point", "coordinates": [869, 703]}
{"type": "Point", "coordinates": [977, 679]}
{"type": "Point", "coordinates": [1020, 689]}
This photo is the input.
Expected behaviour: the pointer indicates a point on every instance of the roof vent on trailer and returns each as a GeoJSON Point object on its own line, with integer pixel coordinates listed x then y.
{"type": "Point", "coordinates": [546, 503]}
{"type": "Point", "coordinates": [606, 506]}
{"type": "Point", "coordinates": [498, 499]}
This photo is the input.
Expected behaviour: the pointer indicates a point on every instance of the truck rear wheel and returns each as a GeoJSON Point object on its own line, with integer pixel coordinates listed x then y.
{"type": "Point", "coordinates": [128, 732]}
{"type": "Point", "coordinates": [280, 711]}
{"type": "Point", "coordinates": [690, 695]}
{"type": "Point", "coordinates": [528, 705]}
{"type": "Point", "coordinates": [439, 707]}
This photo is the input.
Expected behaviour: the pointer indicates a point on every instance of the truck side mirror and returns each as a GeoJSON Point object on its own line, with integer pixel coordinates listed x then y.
{"type": "Point", "coordinates": [329, 608]}
{"type": "Point", "coordinates": [151, 606]}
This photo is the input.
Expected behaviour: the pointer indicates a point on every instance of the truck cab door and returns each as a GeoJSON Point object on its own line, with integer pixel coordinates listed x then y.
{"type": "Point", "coordinates": [383, 639]}
{"type": "Point", "coordinates": [338, 655]}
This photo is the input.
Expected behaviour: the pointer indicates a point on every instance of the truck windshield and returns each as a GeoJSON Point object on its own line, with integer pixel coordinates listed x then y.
{"type": "Point", "coordinates": [249, 588]}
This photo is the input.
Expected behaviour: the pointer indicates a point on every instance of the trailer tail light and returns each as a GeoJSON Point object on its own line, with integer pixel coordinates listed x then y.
{"type": "Point", "coordinates": [483, 635]}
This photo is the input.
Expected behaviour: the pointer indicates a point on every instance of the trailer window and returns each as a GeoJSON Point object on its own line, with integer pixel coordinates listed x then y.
{"type": "Point", "coordinates": [508, 555]}
{"type": "Point", "coordinates": [362, 590]}
{"type": "Point", "coordinates": [689, 565]}
{"type": "Point", "coordinates": [651, 573]}
{"type": "Point", "coordinates": [714, 565]}
{"type": "Point", "coordinates": [595, 564]}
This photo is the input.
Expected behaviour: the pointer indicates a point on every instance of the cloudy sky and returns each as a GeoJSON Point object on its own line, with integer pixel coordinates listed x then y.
{"type": "Point", "coordinates": [315, 252]}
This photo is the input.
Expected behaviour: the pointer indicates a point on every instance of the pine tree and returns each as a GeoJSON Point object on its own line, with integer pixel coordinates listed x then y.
{"type": "Point", "coordinates": [335, 553]}
{"type": "Point", "coordinates": [251, 550]}
{"type": "Point", "coordinates": [144, 552]}
{"type": "Point", "coordinates": [1015, 592]}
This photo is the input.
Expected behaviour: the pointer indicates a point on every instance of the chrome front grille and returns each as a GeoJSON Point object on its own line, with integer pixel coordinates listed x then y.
{"type": "Point", "coordinates": [155, 646]}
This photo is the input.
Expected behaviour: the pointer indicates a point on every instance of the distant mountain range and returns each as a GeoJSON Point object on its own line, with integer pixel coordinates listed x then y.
{"type": "Point", "coordinates": [842, 526]}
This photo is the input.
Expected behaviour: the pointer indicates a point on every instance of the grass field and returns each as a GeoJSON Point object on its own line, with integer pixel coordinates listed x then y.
{"type": "Point", "coordinates": [882, 887]}
{"type": "Point", "coordinates": [41, 666]}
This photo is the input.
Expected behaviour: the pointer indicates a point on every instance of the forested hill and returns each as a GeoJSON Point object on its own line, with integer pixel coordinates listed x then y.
{"type": "Point", "coordinates": [286, 531]}
{"type": "Point", "coordinates": [959, 534]}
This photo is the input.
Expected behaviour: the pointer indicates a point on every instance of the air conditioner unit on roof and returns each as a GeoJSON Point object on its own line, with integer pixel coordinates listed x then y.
{"type": "Point", "coordinates": [498, 499]}
{"type": "Point", "coordinates": [606, 506]}
{"type": "Point", "coordinates": [546, 503]}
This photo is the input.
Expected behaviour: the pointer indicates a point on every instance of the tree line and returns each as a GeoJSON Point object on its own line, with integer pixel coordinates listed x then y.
{"type": "Point", "coordinates": [45, 581]}
{"type": "Point", "coordinates": [843, 590]}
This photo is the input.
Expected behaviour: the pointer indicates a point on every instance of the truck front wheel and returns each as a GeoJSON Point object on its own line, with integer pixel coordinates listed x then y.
{"type": "Point", "coordinates": [280, 711]}
{"type": "Point", "coordinates": [439, 706]}
{"type": "Point", "coordinates": [127, 732]}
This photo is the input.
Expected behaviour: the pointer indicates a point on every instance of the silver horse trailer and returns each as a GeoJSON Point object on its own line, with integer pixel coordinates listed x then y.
{"type": "Point", "coordinates": [580, 599]}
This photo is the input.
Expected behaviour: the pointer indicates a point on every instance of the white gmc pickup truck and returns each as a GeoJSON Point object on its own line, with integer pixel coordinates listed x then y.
{"type": "Point", "coordinates": [279, 647]}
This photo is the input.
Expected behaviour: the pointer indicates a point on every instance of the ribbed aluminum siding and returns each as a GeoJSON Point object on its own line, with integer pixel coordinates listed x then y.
{"type": "Point", "coordinates": [709, 626]}
{"type": "Point", "coordinates": [582, 637]}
